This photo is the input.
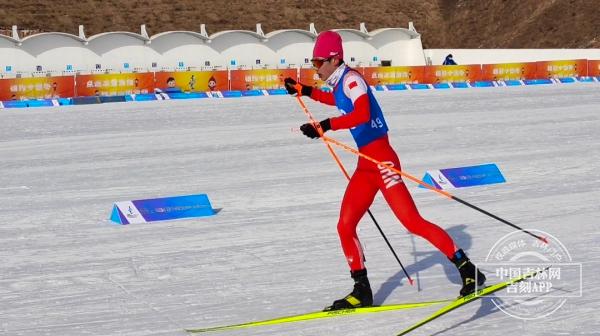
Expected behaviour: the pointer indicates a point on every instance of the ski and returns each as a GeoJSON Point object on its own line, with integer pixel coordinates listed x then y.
{"type": "Point", "coordinates": [320, 315]}
{"type": "Point", "coordinates": [470, 298]}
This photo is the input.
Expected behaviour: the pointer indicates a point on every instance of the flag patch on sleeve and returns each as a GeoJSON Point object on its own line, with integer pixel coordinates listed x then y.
{"type": "Point", "coordinates": [352, 85]}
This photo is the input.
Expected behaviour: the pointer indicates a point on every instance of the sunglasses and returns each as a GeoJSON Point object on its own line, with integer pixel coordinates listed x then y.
{"type": "Point", "coordinates": [318, 63]}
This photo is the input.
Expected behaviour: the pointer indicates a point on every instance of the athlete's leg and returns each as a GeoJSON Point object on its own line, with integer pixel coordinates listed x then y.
{"type": "Point", "coordinates": [397, 196]}
{"type": "Point", "coordinates": [399, 199]}
{"type": "Point", "coordinates": [359, 195]}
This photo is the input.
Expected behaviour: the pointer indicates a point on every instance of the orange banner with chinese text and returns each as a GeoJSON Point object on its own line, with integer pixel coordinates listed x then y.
{"type": "Point", "coordinates": [452, 73]}
{"type": "Point", "coordinates": [562, 69]}
{"type": "Point", "coordinates": [192, 81]}
{"type": "Point", "coordinates": [509, 71]}
{"type": "Point", "coordinates": [594, 68]}
{"type": "Point", "coordinates": [308, 76]}
{"type": "Point", "coordinates": [114, 84]}
{"type": "Point", "coordinates": [37, 88]}
{"type": "Point", "coordinates": [394, 75]}
{"type": "Point", "coordinates": [260, 79]}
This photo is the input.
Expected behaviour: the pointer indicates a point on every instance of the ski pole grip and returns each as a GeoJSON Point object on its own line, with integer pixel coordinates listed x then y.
{"type": "Point", "coordinates": [298, 88]}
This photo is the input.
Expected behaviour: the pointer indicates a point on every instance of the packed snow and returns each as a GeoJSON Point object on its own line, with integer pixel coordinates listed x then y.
{"type": "Point", "coordinates": [272, 250]}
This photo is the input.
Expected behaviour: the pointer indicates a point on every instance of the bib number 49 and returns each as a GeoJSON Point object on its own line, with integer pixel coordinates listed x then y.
{"type": "Point", "coordinates": [376, 123]}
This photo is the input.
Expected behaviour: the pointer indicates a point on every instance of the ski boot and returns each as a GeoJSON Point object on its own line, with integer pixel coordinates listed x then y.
{"type": "Point", "coordinates": [361, 296]}
{"type": "Point", "coordinates": [471, 276]}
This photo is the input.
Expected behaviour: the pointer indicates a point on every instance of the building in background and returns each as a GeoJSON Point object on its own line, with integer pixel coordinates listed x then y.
{"type": "Point", "coordinates": [56, 53]}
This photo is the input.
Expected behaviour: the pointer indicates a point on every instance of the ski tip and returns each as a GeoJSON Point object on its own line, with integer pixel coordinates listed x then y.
{"type": "Point", "coordinates": [545, 240]}
{"type": "Point", "coordinates": [411, 281]}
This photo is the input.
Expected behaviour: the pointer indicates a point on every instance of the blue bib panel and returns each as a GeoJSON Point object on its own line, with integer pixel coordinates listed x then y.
{"type": "Point", "coordinates": [365, 133]}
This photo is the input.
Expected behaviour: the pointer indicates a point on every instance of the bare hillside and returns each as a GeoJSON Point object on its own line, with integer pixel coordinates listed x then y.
{"type": "Point", "coordinates": [442, 23]}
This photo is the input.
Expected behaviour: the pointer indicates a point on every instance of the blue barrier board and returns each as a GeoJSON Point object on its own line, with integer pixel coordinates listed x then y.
{"type": "Point", "coordinates": [190, 95]}
{"type": "Point", "coordinates": [39, 103]}
{"type": "Point", "coordinates": [483, 84]}
{"type": "Point", "coordinates": [537, 81]}
{"type": "Point", "coordinates": [252, 93]}
{"type": "Point", "coordinates": [160, 209]}
{"type": "Point", "coordinates": [441, 86]}
{"type": "Point", "coordinates": [396, 87]}
{"type": "Point", "coordinates": [586, 79]}
{"type": "Point", "coordinates": [461, 177]}
{"type": "Point", "coordinates": [112, 99]}
{"type": "Point", "coordinates": [85, 100]}
{"type": "Point", "coordinates": [460, 85]}
{"type": "Point", "coordinates": [567, 80]}
{"type": "Point", "coordinates": [513, 83]}
{"type": "Point", "coordinates": [419, 86]}
{"type": "Point", "coordinates": [145, 97]}
{"type": "Point", "coordinates": [64, 101]}
{"type": "Point", "coordinates": [276, 92]}
{"type": "Point", "coordinates": [231, 94]}
{"type": "Point", "coordinates": [14, 103]}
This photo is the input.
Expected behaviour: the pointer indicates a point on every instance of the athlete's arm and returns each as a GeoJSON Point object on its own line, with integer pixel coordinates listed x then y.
{"type": "Point", "coordinates": [356, 89]}
{"type": "Point", "coordinates": [322, 96]}
{"type": "Point", "coordinates": [292, 88]}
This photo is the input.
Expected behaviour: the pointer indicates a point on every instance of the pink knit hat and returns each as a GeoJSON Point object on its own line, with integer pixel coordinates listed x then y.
{"type": "Point", "coordinates": [328, 44]}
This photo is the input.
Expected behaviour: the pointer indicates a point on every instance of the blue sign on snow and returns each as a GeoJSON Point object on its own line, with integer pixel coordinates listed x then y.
{"type": "Point", "coordinates": [160, 209]}
{"type": "Point", "coordinates": [461, 177]}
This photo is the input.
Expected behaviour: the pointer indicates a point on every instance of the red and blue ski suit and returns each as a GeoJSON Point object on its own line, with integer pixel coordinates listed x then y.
{"type": "Point", "coordinates": [363, 116]}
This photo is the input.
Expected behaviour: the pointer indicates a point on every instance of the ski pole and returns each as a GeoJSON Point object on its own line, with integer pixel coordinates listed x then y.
{"type": "Point", "coordinates": [429, 186]}
{"type": "Point", "coordinates": [339, 163]}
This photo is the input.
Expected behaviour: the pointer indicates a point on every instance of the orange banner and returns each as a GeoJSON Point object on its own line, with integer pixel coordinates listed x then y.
{"type": "Point", "coordinates": [452, 73]}
{"type": "Point", "coordinates": [594, 68]}
{"type": "Point", "coordinates": [37, 88]}
{"type": "Point", "coordinates": [192, 81]}
{"type": "Point", "coordinates": [308, 76]}
{"type": "Point", "coordinates": [509, 71]}
{"type": "Point", "coordinates": [260, 79]}
{"type": "Point", "coordinates": [394, 75]}
{"type": "Point", "coordinates": [562, 69]}
{"type": "Point", "coordinates": [115, 84]}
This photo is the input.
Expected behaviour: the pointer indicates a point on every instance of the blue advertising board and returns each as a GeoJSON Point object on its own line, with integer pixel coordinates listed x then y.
{"type": "Point", "coordinates": [252, 93]}
{"type": "Point", "coordinates": [160, 209]}
{"type": "Point", "coordinates": [14, 103]}
{"type": "Point", "coordinates": [513, 82]}
{"type": "Point", "coordinates": [275, 92]}
{"type": "Point", "coordinates": [232, 94]}
{"type": "Point", "coordinates": [460, 85]}
{"type": "Point", "coordinates": [537, 81]}
{"type": "Point", "coordinates": [483, 84]}
{"type": "Point", "coordinates": [145, 97]}
{"type": "Point", "coordinates": [586, 79]}
{"type": "Point", "coordinates": [567, 80]}
{"type": "Point", "coordinates": [419, 86]}
{"type": "Point", "coordinates": [441, 86]}
{"type": "Point", "coordinates": [395, 87]}
{"type": "Point", "coordinates": [461, 177]}
{"type": "Point", "coordinates": [188, 95]}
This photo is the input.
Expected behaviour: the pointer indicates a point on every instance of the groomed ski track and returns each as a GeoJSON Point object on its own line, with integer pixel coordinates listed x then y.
{"type": "Point", "coordinates": [273, 249]}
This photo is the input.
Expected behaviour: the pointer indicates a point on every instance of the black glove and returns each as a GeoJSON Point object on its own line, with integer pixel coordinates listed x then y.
{"type": "Point", "coordinates": [310, 131]}
{"type": "Point", "coordinates": [290, 86]}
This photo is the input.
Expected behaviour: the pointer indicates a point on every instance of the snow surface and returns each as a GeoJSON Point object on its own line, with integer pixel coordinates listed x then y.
{"type": "Point", "coordinates": [273, 249]}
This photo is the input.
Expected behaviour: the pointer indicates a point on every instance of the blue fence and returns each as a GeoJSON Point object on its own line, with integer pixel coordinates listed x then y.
{"type": "Point", "coordinates": [538, 81]}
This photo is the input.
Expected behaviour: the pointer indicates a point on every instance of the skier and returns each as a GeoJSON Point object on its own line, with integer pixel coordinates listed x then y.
{"type": "Point", "coordinates": [362, 115]}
